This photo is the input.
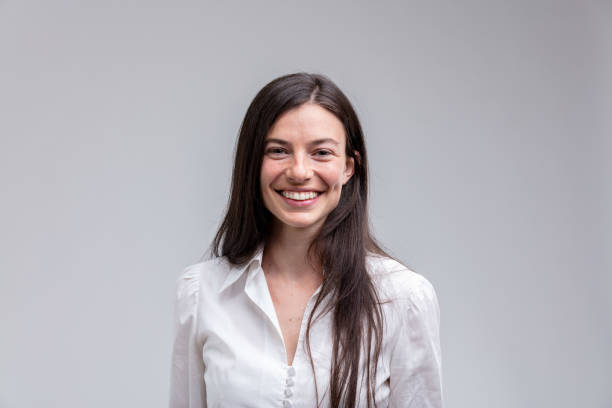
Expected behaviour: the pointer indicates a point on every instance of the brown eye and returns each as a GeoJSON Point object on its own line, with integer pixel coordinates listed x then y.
{"type": "Point", "coordinates": [275, 150]}
{"type": "Point", "coordinates": [324, 153]}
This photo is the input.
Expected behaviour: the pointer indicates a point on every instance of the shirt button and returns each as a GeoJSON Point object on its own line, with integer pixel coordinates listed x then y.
{"type": "Point", "coordinates": [288, 392]}
{"type": "Point", "coordinates": [290, 371]}
{"type": "Point", "coordinates": [287, 403]}
{"type": "Point", "coordinates": [289, 382]}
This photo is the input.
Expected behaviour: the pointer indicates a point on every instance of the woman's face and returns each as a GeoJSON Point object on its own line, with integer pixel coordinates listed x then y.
{"type": "Point", "coordinates": [304, 166]}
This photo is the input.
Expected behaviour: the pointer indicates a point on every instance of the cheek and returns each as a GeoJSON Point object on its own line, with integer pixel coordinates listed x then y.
{"type": "Point", "coordinates": [334, 178]}
{"type": "Point", "coordinates": [266, 175]}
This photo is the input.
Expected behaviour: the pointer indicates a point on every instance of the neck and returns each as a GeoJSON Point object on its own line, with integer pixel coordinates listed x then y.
{"type": "Point", "coordinates": [285, 254]}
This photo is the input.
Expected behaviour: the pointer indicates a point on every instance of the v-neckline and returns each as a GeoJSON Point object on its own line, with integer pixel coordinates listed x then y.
{"type": "Point", "coordinates": [258, 290]}
{"type": "Point", "coordinates": [276, 322]}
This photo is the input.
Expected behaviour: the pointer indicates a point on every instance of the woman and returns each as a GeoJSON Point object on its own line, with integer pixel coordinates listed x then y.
{"type": "Point", "coordinates": [298, 306]}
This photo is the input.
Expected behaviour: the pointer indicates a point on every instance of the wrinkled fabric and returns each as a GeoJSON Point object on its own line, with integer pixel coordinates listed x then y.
{"type": "Point", "coordinates": [229, 351]}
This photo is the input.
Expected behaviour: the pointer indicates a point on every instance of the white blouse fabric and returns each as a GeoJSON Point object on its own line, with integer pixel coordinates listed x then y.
{"type": "Point", "coordinates": [229, 350]}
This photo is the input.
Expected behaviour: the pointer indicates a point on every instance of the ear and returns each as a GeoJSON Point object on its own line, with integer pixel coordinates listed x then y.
{"type": "Point", "coordinates": [350, 167]}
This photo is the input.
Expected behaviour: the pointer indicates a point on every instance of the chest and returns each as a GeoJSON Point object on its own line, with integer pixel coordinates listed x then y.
{"type": "Point", "coordinates": [247, 363]}
{"type": "Point", "coordinates": [290, 303]}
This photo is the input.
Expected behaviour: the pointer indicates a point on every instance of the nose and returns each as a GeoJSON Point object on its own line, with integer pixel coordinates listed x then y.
{"type": "Point", "coordinates": [299, 169]}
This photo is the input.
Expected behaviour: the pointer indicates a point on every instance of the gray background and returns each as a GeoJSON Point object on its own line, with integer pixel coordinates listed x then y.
{"type": "Point", "coordinates": [488, 127]}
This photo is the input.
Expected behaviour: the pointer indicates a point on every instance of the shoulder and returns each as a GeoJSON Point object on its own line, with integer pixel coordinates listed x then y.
{"type": "Point", "coordinates": [397, 283]}
{"type": "Point", "coordinates": [409, 301]}
{"type": "Point", "coordinates": [205, 275]}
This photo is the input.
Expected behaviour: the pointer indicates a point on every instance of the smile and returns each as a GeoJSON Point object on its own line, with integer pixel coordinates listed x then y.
{"type": "Point", "coordinates": [299, 198]}
{"type": "Point", "coordinates": [301, 195]}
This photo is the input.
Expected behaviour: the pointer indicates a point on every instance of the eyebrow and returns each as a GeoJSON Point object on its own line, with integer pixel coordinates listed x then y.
{"type": "Point", "coordinates": [314, 142]}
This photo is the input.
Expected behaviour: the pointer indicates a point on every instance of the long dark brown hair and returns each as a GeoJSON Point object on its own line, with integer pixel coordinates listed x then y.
{"type": "Point", "coordinates": [342, 244]}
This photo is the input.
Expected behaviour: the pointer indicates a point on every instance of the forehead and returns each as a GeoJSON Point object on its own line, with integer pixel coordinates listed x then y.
{"type": "Point", "coordinates": [306, 123]}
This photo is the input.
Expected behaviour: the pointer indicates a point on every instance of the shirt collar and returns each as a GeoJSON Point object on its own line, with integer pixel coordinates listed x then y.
{"type": "Point", "coordinates": [236, 271]}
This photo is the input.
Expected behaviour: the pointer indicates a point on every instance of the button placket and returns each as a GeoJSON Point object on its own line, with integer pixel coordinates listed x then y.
{"type": "Point", "coordinates": [290, 370]}
{"type": "Point", "coordinates": [289, 382]}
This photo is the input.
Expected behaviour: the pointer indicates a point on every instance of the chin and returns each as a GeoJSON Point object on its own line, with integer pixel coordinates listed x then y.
{"type": "Point", "coordinates": [299, 223]}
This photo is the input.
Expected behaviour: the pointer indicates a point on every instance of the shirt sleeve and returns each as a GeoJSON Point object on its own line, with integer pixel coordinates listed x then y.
{"type": "Point", "coordinates": [187, 388]}
{"type": "Point", "coordinates": [415, 367]}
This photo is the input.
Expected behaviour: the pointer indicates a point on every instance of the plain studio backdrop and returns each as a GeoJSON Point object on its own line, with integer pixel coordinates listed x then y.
{"type": "Point", "coordinates": [488, 127]}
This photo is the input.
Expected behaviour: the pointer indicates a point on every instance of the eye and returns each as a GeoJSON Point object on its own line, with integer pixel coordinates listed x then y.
{"type": "Point", "coordinates": [323, 153]}
{"type": "Point", "coordinates": [275, 150]}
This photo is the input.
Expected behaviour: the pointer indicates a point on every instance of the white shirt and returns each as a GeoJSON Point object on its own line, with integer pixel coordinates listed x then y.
{"type": "Point", "coordinates": [229, 350]}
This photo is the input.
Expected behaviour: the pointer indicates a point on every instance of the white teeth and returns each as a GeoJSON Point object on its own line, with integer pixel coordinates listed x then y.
{"type": "Point", "coordinates": [300, 196]}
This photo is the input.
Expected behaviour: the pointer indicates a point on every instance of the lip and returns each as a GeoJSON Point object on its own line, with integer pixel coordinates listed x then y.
{"type": "Point", "coordinates": [298, 189]}
{"type": "Point", "coordinates": [301, 203]}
